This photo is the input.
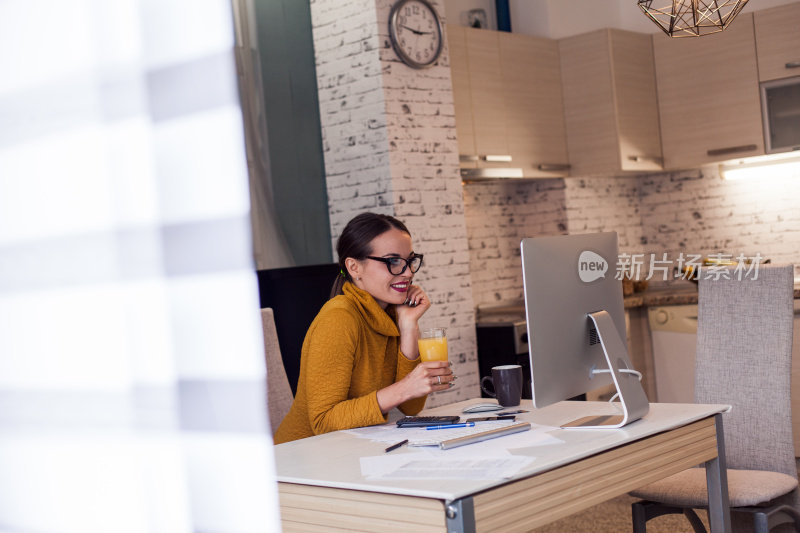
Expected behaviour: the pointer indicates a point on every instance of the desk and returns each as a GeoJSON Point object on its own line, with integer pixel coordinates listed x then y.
{"type": "Point", "coordinates": [321, 487]}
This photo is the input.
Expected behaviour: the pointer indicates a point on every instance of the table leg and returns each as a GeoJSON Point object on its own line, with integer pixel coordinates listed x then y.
{"type": "Point", "coordinates": [460, 516]}
{"type": "Point", "coordinates": [719, 515]}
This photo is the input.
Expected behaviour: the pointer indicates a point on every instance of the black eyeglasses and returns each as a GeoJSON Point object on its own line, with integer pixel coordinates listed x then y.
{"type": "Point", "coordinates": [398, 265]}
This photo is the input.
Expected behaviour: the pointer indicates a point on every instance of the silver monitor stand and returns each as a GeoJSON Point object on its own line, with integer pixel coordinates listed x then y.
{"type": "Point", "coordinates": [631, 394]}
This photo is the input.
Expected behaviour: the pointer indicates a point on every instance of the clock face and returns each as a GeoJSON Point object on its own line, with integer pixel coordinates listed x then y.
{"type": "Point", "coordinates": [416, 32]}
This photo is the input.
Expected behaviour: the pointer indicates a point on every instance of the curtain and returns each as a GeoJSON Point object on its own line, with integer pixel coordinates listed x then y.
{"type": "Point", "coordinates": [132, 393]}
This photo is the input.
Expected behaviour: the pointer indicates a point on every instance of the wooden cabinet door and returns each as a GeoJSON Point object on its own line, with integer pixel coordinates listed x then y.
{"type": "Point", "coordinates": [589, 103]}
{"type": "Point", "coordinates": [486, 93]}
{"type": "Point", "coordinates": [708, 96]}
{"type": "Point", "coordinates": [534, 107]}
{"type": "Point", "coordinates": [610, 102]}
{"type": "Point", "coordinates": [635, 101]}
{"type": "Point", "coordinates": [462, 93]}
{"type": "Point", "coordinates": [778, 42]}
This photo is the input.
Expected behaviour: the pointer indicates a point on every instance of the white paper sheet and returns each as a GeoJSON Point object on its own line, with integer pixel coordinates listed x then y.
{"type": "Point", "coordinates": [390, 434]}
{"type": "Point", "coordinates": [423, 466]}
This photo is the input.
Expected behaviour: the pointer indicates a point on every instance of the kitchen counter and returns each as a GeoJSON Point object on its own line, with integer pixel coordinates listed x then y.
{"type": "Point", "coordinates": [678, 293]}
{"type": "Point", "coordinates": [674, 293]}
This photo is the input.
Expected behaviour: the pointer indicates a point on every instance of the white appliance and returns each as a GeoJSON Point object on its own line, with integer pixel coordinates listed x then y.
{"type": "Point", "coordinates": [673, 330]}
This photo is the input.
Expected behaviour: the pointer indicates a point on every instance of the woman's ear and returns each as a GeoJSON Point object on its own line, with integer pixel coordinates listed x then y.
{"type": "Point", "coordinates": [353, 268]}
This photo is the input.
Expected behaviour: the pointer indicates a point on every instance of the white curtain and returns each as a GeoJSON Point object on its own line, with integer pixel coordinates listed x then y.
{"type": "Point", "coordinates": [131, 356]}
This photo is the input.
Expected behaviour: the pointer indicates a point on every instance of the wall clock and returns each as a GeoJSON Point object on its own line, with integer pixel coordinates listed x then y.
{"type": "Point", "coordinates": [416, 32]}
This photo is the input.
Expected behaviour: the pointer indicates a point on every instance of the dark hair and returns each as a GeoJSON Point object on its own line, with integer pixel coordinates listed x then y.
{"type": "Point", "coordinates": [355, 241]}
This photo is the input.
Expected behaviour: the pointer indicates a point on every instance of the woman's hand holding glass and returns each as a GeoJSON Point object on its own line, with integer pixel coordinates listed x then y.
{"type": "Point", "coordinates": [427, 377]}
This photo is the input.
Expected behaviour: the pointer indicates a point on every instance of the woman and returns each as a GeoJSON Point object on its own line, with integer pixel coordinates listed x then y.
{"type": "Point", "coordinates": [360, 357]}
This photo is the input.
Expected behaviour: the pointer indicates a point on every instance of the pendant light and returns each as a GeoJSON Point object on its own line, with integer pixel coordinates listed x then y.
{"type": "Point", "coordinates": [691, 18]}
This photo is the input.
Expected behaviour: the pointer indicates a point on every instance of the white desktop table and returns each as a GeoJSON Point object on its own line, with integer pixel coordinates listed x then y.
{"type": "Point", "coordinates": [321, 487]}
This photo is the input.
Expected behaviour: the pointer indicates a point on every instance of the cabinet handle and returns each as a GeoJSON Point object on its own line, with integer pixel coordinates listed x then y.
{"type": "Point", "coordinates": [793, 64]}
{"type": "Point", "coordinates": [644, 158]}
{"type": "Point", "coordinates": [732, 149]}
{"type": "Point", "coordinates": [488, 158]}
{"type": "Point", "coordinates": [496, 158]}
{"type": "Point", "coordinates": [490, 173]}
{"type": "Point", "coordinates": [553, 167]}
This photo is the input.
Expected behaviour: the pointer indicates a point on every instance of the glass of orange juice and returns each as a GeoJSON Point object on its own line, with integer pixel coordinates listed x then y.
{"type": "Point", "coordinates": [433, 344]}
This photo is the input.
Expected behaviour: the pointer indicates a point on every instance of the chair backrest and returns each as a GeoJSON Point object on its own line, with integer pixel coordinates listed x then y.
{"type": "Point", "coordinates": [279, 393]}
{"type": "Point", "coordinates": [744, 358]}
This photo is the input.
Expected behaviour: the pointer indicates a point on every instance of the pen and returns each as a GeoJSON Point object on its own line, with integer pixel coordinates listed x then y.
{"type": "Point", "coordinates": [448, 426]}
{"type": "Point", "coordinates": [511, 412]}
{"type": "Point", "coordinates": [395, 446]}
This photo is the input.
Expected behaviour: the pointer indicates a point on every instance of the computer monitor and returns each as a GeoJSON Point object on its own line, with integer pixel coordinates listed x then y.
{"type": "Point", "coordinates": [576, 324]}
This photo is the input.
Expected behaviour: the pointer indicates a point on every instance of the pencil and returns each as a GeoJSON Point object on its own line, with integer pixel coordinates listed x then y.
{"type": "Point", "coordinates": [395, 446]}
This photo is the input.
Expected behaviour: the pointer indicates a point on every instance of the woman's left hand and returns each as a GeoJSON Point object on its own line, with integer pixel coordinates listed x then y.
{"type": "Point", "coordinates": [417, 302]}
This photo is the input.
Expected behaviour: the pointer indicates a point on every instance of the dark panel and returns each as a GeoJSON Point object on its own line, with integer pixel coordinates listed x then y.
{"type": "Point", "coordinates": [296, 295]}
{"type": "Point", "coordinates": [495, 348]}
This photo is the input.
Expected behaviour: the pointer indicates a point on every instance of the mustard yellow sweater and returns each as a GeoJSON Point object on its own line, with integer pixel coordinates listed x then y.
{"type": "Point", "coordinates": [351, 350]}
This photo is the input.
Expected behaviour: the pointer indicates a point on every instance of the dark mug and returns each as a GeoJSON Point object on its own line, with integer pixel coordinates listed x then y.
{"type": "Point", "coordinates": [506, 381]}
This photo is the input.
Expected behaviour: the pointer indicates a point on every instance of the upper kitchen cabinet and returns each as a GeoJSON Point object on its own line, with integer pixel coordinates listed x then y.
{"type": "Point", "coordinates": [508, 104]}
{"type": "Point", "coordinates": [778, 41]}
{"type": "Point", "coordinates": [478, 98]}
{"type": "Point", "coordinates": [462, 93]}
{"type": "Point", "coordinates": [610, 102]}
{"type": "Point", "coordinates": [534, 105]}
{"type": "Point", "coordinates": [708, 96]}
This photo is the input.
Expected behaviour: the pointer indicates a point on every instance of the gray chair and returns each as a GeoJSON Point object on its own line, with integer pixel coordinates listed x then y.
{"type": "Point", "coordinates": [279, 393]}
{"type": "Point", "coordinates": [744, 358]}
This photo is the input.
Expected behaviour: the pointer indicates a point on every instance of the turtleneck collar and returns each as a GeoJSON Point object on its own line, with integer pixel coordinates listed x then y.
{"type": "Point", "coordinates": [382, 321]}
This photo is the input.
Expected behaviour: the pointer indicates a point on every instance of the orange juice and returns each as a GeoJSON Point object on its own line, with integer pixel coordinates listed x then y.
{"type": "Point", "coordinates": [433, 349]}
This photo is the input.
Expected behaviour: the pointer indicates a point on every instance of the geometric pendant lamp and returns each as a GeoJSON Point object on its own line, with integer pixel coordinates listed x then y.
{"type": "Point", "coordinates": [691, 18]}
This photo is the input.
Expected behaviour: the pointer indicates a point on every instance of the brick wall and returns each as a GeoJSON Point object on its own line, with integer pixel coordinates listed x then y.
{"type": "Point", "coordinates": [699, 212]}
{"type": "Point", "coordinates": [351, 101]}
{"type": "Point", "coordinates": [389, 146]}
{"type": "Point", "coordinates": [499, 214]}
{"type": "Point", "coordinates": [694, 212]}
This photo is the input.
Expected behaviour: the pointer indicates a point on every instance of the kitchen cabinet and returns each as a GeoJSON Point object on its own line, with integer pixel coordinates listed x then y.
{"type": "Point", "coordinates": [610, 102]}
{"type": "Point", "coordinates": [508, 103]}
{"type": "Point", "coordinates": [486, 98]}
{"type": "Point", "coordinates": [478, 97]}
{"type": "Point", "coordinates": [462, 92]}
{"type": "Point", "coordinates": [778, 41]}
{"type": "Point", "coordinates": [708, 97]}
{"type": "Point", "coordinates": [531, 76]}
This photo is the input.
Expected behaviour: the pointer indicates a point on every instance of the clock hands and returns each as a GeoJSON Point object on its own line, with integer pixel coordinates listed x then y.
{"type": "Point", "coordinates": [416, 32]}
